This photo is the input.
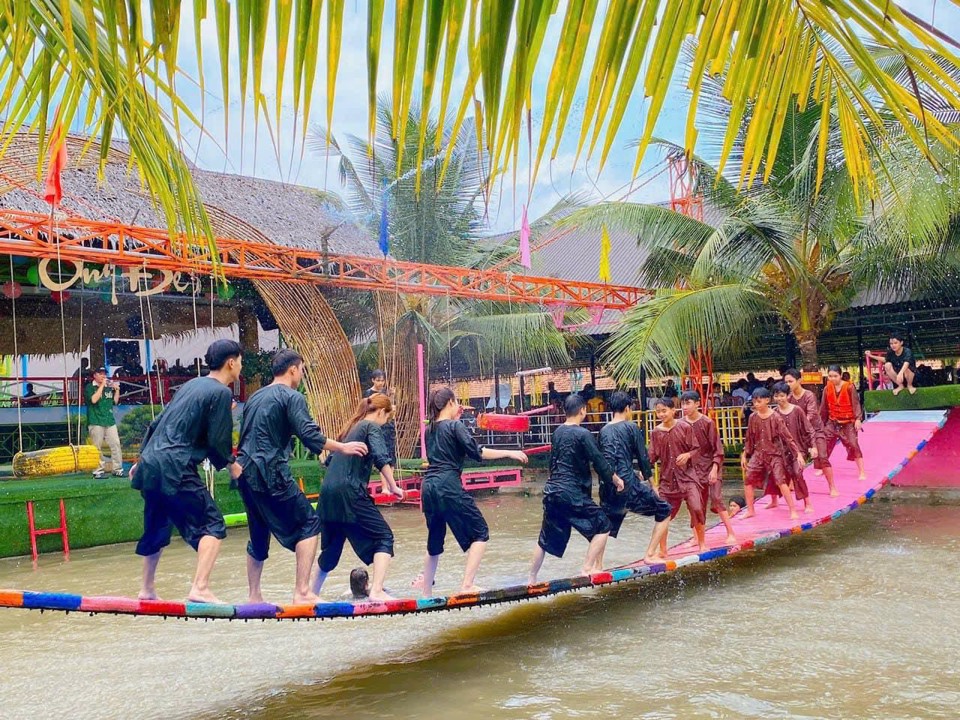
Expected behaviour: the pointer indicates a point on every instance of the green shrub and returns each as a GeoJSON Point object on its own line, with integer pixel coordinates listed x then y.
{"type": "Point", "coordinates": [134, 424]}
{"type": "Point", "coordinates": [938, 397]}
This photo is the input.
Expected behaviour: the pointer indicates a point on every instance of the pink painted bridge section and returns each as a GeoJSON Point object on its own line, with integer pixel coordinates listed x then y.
{"type": "Point", "coordinates": [889, 441]}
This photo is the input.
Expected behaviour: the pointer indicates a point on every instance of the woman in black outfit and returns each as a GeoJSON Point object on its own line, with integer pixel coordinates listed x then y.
{"type": "Point", "coordinates": [347, 512]}
{"type": "Point", "coordinates": [445, 502]}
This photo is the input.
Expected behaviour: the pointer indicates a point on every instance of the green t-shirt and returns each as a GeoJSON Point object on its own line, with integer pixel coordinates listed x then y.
{"type": "Point", "coordinates": [99, 413]}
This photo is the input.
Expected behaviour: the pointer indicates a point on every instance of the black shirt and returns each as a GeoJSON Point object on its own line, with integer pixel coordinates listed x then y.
{"type": "Point", "coordinates": [621, 444]}
{"type": "Point", "coordinates": [348, 476]}
{"type": "Point", "coordinates": [197, 424]}
{"type": "Point", "coordinates": [271, 417]}
{"type": "Point", "coordinates": [389, 430]}
{"type": "Point", "coordinates": [898, 361]}
{"type": "Point", "coordinates": [449, 444]}
{"type": "Point", "coordinates": [572, 453]}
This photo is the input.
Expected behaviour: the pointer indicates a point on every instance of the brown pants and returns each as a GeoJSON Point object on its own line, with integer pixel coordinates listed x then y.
{"type": "Point", "coordinates": [692, 494]}
{"type": "Point", "coordinates": [794, 478]}
{"type": "Point", "coordinates": [822, 460]}
{"type": "Point", "coordinates": [846, 434]}
{"type": "Point", "coordinates": [762, 469]}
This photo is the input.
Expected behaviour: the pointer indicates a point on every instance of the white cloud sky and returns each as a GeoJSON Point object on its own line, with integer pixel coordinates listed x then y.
{"type": "Point", "coordinates": [248, 152]}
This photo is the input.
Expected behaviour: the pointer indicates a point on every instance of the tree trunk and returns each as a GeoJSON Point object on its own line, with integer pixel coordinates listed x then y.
{"type": "Point", "coordinates": [249, 336]}
{"type": "Point", "coordinates": [398, 359]}
{"type": "Point", "coordinates": [807, 343]}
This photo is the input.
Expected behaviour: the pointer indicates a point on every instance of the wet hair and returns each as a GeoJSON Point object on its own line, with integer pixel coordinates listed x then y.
{"type": "Point", "coordinates": [619, 402]}
{"type": "Point", "coordinates": [739, 500]}
{"type": "Point", "coordinates": [792, 372]}
{"type": "Point", "coordinates": [283, 360]}
{"type": "Point", "coordinates": [781, 387]}
{"type": "Point", "coordinates": [663, 401]}
{"type": "Point", "coordinates": [690, 395]}
{"type": "Point", "coordinates": [438, 400]}
{"type": "Point", "coordinates": [573, 405]}
{"type": "Point", "coordinates": [220, 351]}
{"type": "Point", "coordinates": [898, 335]}
{"type": "Point", "coordinates": [375, 402]}
{"type": "Point", "coordinates": [761, 392]}
{"type": "Point", "coordinates": [358, 582]}
{"type": "Point", "coordinates": [378, 375]}
{"type": "Point", "coordinates": [834, 368]}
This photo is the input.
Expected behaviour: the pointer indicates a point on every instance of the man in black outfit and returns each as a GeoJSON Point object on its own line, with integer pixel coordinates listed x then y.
{"type": "Point", "coordinates": [274, 502]}
{"type": "Point", "coordinates": [567, 497]}
{"type": "Point", "coordinates": [197, 424]}
{"type": "Point", "coordinates": [900, 365]}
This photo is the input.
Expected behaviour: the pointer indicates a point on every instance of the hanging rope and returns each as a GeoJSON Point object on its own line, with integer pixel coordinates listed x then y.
{"type": "Point", "coordinates": [63, 328]}
{"type": "Point", "coordinates": [143, 333]}
{"type": "Point", "coordinates": [156, 362]}
{"type": "Point", "coordinates": [16, 359]}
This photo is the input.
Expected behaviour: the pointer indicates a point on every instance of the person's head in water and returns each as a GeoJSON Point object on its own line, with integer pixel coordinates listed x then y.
{"type": "Point", "coordinates": [376, 408]}
{"type": "Point", "coordinates": [689, 402]}
{"type": "Point", "coordinates": [378, 381]}
{"type": "Point", "coordinates": [575, 408]}
{"type": "Point", "coordinates": [442, 405]}
{"type": "Point", "coordinates": [225, 359]}
{"type": "Point", "coordinates": [663, 409]}
{"type": "Point", "coordinates": [360, 583]}
{"type": "Point", "coordinates": [781, 393]}
{"type": "Point", "coordinates": [834, 375]}
{"type": "Point", "coordinates": [287, 366]}
{"type": "Point", "coordinates": [619, 402]}
{"type": "Point", "coordinates": [761, 398]}
{"type": "Point", "coordinates": [737, 502]}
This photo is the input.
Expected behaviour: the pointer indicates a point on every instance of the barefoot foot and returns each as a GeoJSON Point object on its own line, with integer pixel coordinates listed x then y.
{"type": "Point", "coordinates": [381, 596]}
{"type": "Point", "coordinates": [202, 596]}
{"type": "Point", "coordinates": [897, 390]}
{"type": "Point", "coordinates": [808, 509]}
{"type": "Point", "coordinates": [794, 515]}
{"type": "Point", "coordinates": [257, 600]}
{"type": "Point", "coordinates": [308, 599]}
{"type": "Point", "coordinates": [731, 540]}
{"type": "Point", "coordinates": [147, 595]}
{"type": "Point", "coordinates": [834, 492]}
{"type": "Point", "coordinates": [470, 589]}
{"type": "Point", "coordinates": [863, 476]}
{"type": "Point", "coordinates": [911, 390]}
{"type": "Point", "coordinates": [751, 513]}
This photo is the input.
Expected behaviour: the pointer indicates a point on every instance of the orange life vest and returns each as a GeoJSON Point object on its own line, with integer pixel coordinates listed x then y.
{"type": "Point", "coordinates": [840, 404]}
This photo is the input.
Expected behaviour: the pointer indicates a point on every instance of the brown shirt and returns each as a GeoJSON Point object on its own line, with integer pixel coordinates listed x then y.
{"type": "Point", "coordinates": [709, 447]}
{"type": "Point", "coordinates": [665, 445]}
{"type": "Point", "coordinates": [768, 437]}
{"type": "Point", "coordinates": [798, 426]}
{"type": "Point", "coordinates": [811, 408]}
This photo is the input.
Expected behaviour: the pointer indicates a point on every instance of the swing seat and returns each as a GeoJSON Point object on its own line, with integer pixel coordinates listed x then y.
{"type": "Point", "coordinates": [56, 461]}
{"type": "Point", "coordinates": [503, 423]}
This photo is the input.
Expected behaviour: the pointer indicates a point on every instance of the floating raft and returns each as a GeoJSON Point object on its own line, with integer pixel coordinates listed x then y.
{"type": "Point", "coordinates": [889, 441]}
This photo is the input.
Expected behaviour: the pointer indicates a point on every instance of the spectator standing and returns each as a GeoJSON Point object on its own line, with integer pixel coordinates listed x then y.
{"type": "Point", "coordinates": [101, 424]}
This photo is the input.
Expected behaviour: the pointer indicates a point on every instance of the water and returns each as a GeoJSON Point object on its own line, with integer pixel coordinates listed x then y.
{"type": "Point", "coordinates": [855, 620]}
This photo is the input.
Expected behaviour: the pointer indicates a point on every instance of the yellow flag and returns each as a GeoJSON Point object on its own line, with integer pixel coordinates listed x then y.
{"type": "Point", "coordinates": [604, 255]}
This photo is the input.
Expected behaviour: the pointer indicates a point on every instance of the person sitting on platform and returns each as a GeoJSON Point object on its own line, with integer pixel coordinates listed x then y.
{"type": "Point", "coordinates": [622, 442]}
{"type": "Point", "coordinates": [803, 435]}
{"type": "Point", "coordinates": [767, 443]}
{"type": "Point", "coordinates": [100, 397]}
{"type": "Point", "coordinates": [807, 401]}
{"type": "Point", "coordinates": [842, 417]}
{"type": "Point", "coordinates": [444, 501]}
{"type": "Point", "coordinates": [196, 424]}
{"type": "Point", "coordinates": [672, 445]}
{"type": "Point", "coordinates": [567, 501]}
{"type": "Point", "coordinates": [900, 366]}
{"type": "Point", "coordinates": [707, 461]}
{"type": "Point", "coordinates": [275, 504]}
{"type": "Point", "coordinates": [347, 511]}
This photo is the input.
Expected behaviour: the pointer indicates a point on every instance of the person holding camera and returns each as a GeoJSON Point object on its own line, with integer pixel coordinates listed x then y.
{"type": "Point", "coordinates": [101, 396]}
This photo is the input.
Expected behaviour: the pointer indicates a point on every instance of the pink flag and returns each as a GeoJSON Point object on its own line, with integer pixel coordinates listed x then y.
{"type": "Point", "coordinates": [525, 240]}
{"type": "Point", "coordinates": [53, 190]}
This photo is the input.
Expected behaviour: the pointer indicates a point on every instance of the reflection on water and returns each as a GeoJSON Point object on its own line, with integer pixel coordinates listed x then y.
{"type": "Point", "coordinates": [857, 619]}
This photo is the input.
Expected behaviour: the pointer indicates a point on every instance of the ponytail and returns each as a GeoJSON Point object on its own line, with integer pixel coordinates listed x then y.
{"type": "Point", "coordinates": [366, 406]}
{"type": "Point", "coordinates": [439, 399]}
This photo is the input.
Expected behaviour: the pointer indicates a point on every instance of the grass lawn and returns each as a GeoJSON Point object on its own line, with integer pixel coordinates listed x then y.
{"type": "Point", "coordinates": [926, 398]}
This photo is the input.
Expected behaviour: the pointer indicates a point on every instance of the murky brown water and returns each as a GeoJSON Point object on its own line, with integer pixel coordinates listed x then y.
{"type": "Point", "coordinates": [856, 620]}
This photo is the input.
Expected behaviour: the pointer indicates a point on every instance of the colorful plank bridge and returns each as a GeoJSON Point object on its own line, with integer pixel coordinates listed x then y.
{"type": "Point", "coordinates": [889, 440]}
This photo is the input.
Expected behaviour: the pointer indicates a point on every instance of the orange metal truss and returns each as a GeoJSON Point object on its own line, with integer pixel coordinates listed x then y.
{"type": "Point", "coordinates": [77, 239]}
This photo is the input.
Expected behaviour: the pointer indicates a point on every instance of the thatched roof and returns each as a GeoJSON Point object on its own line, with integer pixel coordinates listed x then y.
{"type": "Point", "coordinates": [281, 213]}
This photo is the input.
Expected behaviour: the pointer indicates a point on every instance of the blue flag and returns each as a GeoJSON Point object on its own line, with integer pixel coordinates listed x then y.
{"type": "Point", "coordinates": [384, 235]}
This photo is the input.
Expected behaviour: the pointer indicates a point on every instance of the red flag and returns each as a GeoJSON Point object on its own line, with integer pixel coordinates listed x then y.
{"type": "Point", "coordinates": [53, 190]}
{"type": "Point", "coordinates": [525, 240]}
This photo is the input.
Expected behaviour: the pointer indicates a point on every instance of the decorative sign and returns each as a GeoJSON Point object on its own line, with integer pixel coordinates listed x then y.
{"type": "Point", "coordinates": [140, 281]}
{"type": "Point", "coordinates": [811, 378]}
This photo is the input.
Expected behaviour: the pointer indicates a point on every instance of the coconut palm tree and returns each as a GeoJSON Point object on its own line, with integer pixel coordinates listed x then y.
{"type": "Point", "coordinates": [104, 64]}
{"type": "Point", "coordinates": [435, 217]}
{"type": "Point", "coordinates": [798, 248]}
